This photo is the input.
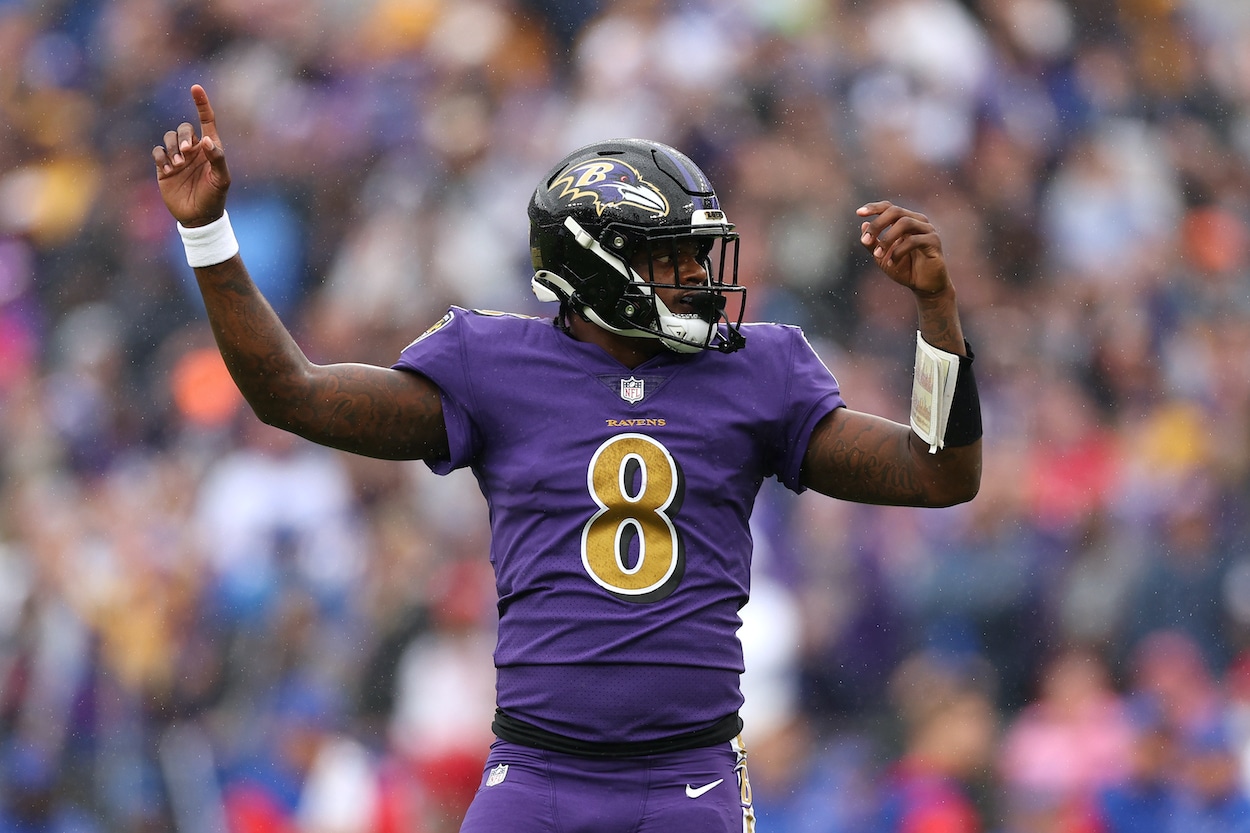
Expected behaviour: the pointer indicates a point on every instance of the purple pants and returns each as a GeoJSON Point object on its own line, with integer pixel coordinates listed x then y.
{"type": "Point", "coordinates": [526, 790]}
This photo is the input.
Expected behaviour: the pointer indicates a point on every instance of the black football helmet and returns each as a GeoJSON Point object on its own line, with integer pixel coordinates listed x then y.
{"type": "Point", "coordinates": [631, 201]}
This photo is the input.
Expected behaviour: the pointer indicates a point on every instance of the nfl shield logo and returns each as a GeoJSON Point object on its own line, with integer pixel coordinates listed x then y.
{"type": "Point", "coordinates": [631, 390]}
{"type": "Point", "coordinates": [496, 775]}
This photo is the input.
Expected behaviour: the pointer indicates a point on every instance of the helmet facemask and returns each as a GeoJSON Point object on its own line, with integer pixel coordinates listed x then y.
{"type": "Point", "coordinates": [645, 263]}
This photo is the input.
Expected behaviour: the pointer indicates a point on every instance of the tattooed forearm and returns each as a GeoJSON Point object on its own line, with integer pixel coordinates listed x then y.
{"type": "Point", "coordinates": [868, 459]}
{"type": "Point", "coordinates": [368, 410]}
{"type": "Point", "coordinates": [863, 460]}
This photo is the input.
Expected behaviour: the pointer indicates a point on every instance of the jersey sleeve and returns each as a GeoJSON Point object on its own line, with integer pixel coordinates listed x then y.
{"type": "Point", "coordinates": [812, 394]}
{"type": "Point", "coordinates": [439, 355]}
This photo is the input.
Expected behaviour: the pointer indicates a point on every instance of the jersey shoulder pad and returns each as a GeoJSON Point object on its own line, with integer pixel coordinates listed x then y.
{"type": "Point", "coordinates": [476, 319]}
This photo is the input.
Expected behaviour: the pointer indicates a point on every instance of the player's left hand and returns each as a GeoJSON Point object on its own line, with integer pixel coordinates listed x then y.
{"type": "Point", "coordinates": [905, 245]}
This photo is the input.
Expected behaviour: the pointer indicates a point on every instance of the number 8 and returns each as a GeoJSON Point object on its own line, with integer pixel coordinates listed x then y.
{"type": "Point", "coordinates": [636, 483]}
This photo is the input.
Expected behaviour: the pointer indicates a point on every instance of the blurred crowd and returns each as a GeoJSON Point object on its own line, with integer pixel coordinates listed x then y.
{"type": "Point", "coordinates": [207, 626]}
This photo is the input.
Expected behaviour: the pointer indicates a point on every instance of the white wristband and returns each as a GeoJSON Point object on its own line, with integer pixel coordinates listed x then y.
{"type": "Point", "coordinates": [211, 244]}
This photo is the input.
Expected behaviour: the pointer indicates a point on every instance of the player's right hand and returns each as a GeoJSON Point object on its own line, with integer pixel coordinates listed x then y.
{"type": "Point", "coordinates": [191, 167]}
{"type": "Point", "coordinates": [905, 245]}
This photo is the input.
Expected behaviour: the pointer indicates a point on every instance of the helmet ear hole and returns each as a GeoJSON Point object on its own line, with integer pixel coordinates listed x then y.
{"type": "Point", "coordinates": [636, 311]}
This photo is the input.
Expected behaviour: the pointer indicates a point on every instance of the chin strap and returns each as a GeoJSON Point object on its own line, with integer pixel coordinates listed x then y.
{"type": "Point", "coordinates": [681, 334]}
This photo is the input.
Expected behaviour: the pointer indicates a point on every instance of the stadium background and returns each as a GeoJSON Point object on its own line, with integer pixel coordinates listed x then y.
{"type": "Point", "coordinates": [208, 626]}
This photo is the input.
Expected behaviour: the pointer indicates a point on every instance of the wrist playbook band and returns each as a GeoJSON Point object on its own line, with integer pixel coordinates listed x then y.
{"type": "Point", "coordinates": [963, 425]}
{"type": "Point", "coordinates": [945, 406]}
{"type": "Point", "coordinates": [211, 244]}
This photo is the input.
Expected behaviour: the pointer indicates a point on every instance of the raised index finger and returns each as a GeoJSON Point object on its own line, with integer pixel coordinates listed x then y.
{"type": "Point", "coordinates": [208, 121]}
{"type": "Point", "coordinates": [871, 208]}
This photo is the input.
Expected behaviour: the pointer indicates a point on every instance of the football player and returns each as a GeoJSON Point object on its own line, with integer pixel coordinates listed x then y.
{"type": "Point", "coordinates": [620, 445]}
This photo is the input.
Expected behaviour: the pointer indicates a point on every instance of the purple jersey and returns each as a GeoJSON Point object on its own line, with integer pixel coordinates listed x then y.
{"type": "Point", "coordinates": [619, 507]}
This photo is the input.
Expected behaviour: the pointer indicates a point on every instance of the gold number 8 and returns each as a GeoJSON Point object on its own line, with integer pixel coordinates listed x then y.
{"type": "Point", "coordinates": [635, 482]}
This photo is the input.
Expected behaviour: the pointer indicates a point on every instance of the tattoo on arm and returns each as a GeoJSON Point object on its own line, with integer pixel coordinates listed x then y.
{"type": "Point", "coordinates": [939, 323]}
{"type": "Point", "coordinates": [864, 460]}
{"type": "Point", "coordinates": [361, 408]}
{"type": "Point", "coordinates": [868, 459]}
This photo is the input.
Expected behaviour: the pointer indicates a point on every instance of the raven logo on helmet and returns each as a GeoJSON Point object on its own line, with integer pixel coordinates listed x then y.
{"type": "Point", "coordinates": [610, 183]}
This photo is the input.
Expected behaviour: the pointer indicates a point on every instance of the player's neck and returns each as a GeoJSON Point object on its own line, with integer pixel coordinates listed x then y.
{"type": "Point", "coordinates": [630, 352]}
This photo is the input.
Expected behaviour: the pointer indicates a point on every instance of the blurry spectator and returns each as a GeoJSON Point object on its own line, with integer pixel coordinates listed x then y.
{"type": "Point", "coordinates": [808, 782]}
{"type": "Point", "coordinates": [1208, 792]}
{"type": "Point", "coordinates": [32, 799]}
{"type": "Point", "coordinates": [1168, 672]}
{"type": "Point", "coordinates": [1140, 801]}
{"type": "Point", "coordinates": [276, 756]}
{"type": "Point", "coordinates": [1072, 741]}
{"type": "Point", "coordinates": [801, 780]}
{"type": "Point", "coordinates": [1091, 593]}
{"type": "Point", "coordinates": [1237, 691]}
{"type": "Point", "coordinates": [445, 692]}
{"type": "Point", "coordinates": [343, 790]}
{"type": "Point", "coordinates": [771, 635]}
{"type": "Point", "coordinates": [1181, 585]}
{"type": "Point", "coordinates": [276, 513]}
{"type": "Point", "coordinates": [1111, 207]}
{"type": "Point", "coordinates": [950, 727]}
